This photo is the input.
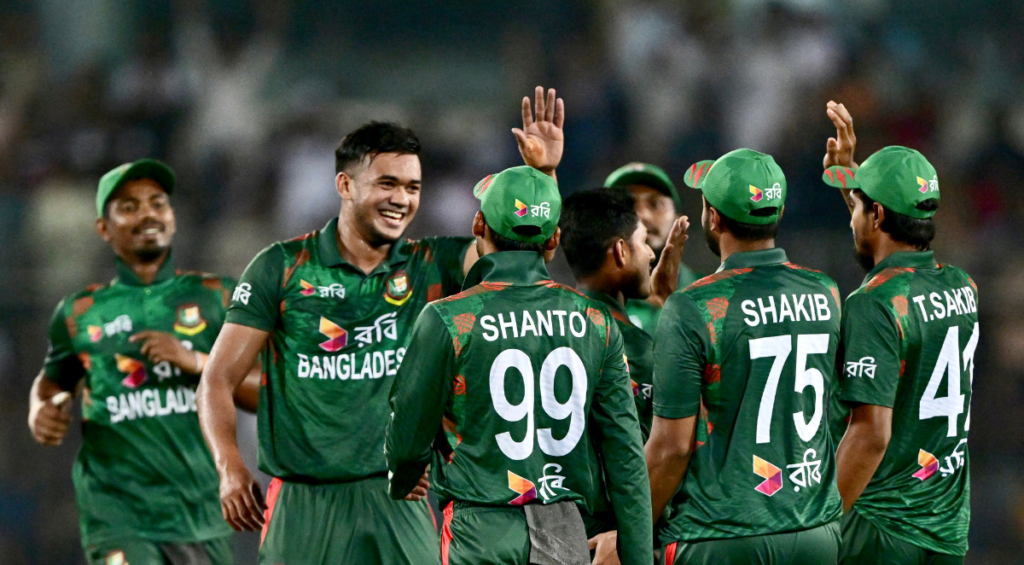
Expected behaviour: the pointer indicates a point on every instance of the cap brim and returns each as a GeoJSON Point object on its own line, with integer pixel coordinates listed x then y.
{"type": "Point", "coordinates": [642, 178]}
{"type": "Point", "coordinates": [840, 177]}
{"type": "Point", "coordinates": [149, 169]}
{"type": "Point", "coordinates": [697, 172]}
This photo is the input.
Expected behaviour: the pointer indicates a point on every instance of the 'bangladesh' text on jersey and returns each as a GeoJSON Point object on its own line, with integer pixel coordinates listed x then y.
{"type": "Point", "coordinates": [751, 351]}
{"type": "Point", "coordinates": [143, 470]}
{"type": "Point", "coordinates": [338, 336]}
{"type": "Point", "coordinates": [910, 335]}
{"type": "Point", "coordinates": [524, 371]}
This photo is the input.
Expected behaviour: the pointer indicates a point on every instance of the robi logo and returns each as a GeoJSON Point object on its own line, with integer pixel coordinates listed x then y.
{"type": "Point", "coordinates": [521, 208]}
{"type": "Point", "coordinates": [757, 193]}
{"type": "Point", "coordinates": [136, 370]}
{"type": "Point", "coordinates": [337, 334]}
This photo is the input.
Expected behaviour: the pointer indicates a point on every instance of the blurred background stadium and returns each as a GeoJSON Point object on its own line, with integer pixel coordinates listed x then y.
{"type": "Point", "coordinates": [247, 100]}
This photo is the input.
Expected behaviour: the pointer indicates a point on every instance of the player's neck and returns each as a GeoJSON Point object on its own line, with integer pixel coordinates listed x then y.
{"type": "Point", "coordinates": [886, 246]}
{"type": "Point", "coordinates": [357, 250]}
{"type": "Point", "coordinates": [146, 271]}
{"type": "Point", "coordinates": [729, 245]}
{"type": "Point", "coordinates": [600, 283]}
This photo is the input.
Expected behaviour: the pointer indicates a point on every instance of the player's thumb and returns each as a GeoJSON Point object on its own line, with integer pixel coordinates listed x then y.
{"type": "Point", "coordinates": [520, 136]}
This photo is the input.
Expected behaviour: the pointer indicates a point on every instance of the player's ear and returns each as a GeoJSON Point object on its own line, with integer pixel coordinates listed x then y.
{"type": "Point", "coordinates": [879, 211]}
{"type": "Point", "coordinates": [344, 184]}
{"type": "Point", "coordinates": [478, 224]}
{"type": "Point", "coordinates": [101, 228]}
{"type": "Point", "coordinates": [551, 245]}
{"type": "Point", "coordinates": [620, 253]}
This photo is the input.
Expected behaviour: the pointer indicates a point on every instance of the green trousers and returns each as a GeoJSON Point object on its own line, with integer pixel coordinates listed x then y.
{"type": "Point", "coordinates": [483, 535]}
{"type": "Point", "coordinates": [864, 544]}
{"type": "Point", "coordinates": [144, 552]}
{"type": "Point", "coordinates": [345, 523]}
{"type": "Point", "coordinates": [816, 546]}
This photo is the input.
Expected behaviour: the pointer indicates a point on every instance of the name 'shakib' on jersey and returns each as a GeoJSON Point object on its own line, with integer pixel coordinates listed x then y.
{"type": "Point", "coordinates": [521, 371]}
{"type": "Point", "coordinates": [337, 339]}
{"type": "Point", "coordinates": [136, 486]}
{"type": "Point", "coordinates": [750, 350]}
{"type": "Point", "coordinates": [910, 335]}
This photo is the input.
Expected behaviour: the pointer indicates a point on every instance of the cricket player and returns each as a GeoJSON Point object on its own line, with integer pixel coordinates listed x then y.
{"type": "Point", "coordinates": [605, 244]}
{"type": "Point", "coordinates": [528, 377]}
{"type": "Point", "coordinates": [144, 480]}
{"type": "Point", "coordinates": [910, 333]}
{"type": "Point", "coordinates": [740, 456]}
{"type": "Point", "coordinates": [334, 310]}
{"type": "Point", "coordinates": [657, 205]}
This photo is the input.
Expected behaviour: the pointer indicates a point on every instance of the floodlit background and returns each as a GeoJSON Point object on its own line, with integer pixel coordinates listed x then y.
{"type": "Point", "coordinates": [247, 100]}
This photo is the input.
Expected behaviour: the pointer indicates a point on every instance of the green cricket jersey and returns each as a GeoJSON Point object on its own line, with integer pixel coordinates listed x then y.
{"type": "Point", "coordinates": [645, 315]}
{"type": "Point", "coordinates": [639, 348]}
{"type": "Point", "coordinates": [751, 350]}
{"type": "Point", "coordinates": [337, 338]}
{"type": "Point", "coordinates": [143, 470]}
{"type": "Point", "coordinates": [909, 338]}
{"type": "Point", "coordinates": [529, 376]}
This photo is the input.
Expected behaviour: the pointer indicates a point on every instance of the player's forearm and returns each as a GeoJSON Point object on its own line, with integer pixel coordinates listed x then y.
{"type": "Point", "coordinates": [630, 496]}
{"type": "Point", "coordinates": [859, 454]}
{"type": "Point", "coordinates": [247, 394]}
{"type": "Point", "coordinates": [215, 402]}
{"type": "Point", "coordinates": [665, 470]}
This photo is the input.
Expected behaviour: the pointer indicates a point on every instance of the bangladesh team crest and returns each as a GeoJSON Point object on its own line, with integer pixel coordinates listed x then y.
{"type": "Point", "coordinates": [398, 290]}
{"type": "Point", "coordinates": [189, 321]}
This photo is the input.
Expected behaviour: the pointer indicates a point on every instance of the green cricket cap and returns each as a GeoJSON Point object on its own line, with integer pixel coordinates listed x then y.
{"type": "Point", "coordinates": [644, 174]}
{"type": "Point", "coordinates": [520, 203]}
{"type": "Point", "coordinates": [896, 177]}
{"type": "Point", "coordinates": [141, 169]}
{"type": "Point", "coordinates": [744, 185]}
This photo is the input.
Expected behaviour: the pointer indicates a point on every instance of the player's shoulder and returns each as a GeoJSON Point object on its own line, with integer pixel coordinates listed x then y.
{"type": "Point", "coordinates": [887, 283]}
{"type": "Point", "coordinates": [712, 286]}
{"type": "Point", "coordinates": [811, 274]}
{"type": "Point", "coordinates": [77, 303]}
{"type": "Point", "coordinates": [959, 273]}
{"type": "Point", "coordinates": [212, 281]}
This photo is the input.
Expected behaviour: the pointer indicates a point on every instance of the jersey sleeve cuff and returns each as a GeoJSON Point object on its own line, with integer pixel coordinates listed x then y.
{"type": "Point", "coordinates": [854, 397]}
{"type": "Point", "coordinates": [675, 412]}
{"type": "Point", "coordinates": [244, 318]}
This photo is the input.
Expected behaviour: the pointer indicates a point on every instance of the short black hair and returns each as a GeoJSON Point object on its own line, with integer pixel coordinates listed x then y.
{"type": "Point", "coordinates": [591, 221]}
{"type": "Point", "coordinates": [506, 244]}
{"type": "Point", "coordinates": [918, 232]}
{"type": "Point", "coordinates": [371, 140]}
{"type": "Point", "coordinates": [749, 232]}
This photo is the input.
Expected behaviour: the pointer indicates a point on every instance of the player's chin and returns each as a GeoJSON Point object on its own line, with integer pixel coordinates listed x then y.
{"type": "Point", "coordinates": [391, 229]}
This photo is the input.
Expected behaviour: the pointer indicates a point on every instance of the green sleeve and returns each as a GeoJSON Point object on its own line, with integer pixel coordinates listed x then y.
{"type": "Point", "coordinates": [871, 345]}
{"type": "Point", "coordinates": [417, 399]}
{"type": "Point", "coordinates": [62, 365]}
{"type": "Point", "coordinates": [681, 351]}
{"type": "Point", "coordinates": [256, 300]}
{"type": "Point", "coordinates": [449, 253]}
{"type": "Point", "coordinates": [617, 435]}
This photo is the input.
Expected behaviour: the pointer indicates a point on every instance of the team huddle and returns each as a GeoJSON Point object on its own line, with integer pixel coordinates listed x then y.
{"type": "Point", "coordinates": [645, 415]}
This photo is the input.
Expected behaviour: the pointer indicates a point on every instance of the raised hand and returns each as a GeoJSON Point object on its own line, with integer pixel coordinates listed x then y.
{"type": "Point", "coordinates": [665, 276]}
{"type": "Point", "coordinates": [839, 149]}
{"type": "Point", "coordinates": [542, 140]}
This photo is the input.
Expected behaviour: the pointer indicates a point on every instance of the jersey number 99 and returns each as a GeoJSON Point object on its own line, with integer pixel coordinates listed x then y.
{"type": "Point", "coordinates": [572, 408]}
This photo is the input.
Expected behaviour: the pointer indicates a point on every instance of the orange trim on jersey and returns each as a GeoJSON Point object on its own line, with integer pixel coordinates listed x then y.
{"type": "Point", "coordinates": [272, 492]}
{"type": "Point", "coordinates": [446, 532]}
{"type": "Point", "coordinates": [670, 553]}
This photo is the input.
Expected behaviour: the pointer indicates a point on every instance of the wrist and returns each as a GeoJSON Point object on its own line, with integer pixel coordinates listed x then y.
{"type": "Point", "coordinates": [200, 362]}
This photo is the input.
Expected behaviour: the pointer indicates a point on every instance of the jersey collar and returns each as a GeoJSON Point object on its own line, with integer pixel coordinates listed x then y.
{"type": "Point", "coordinates": [605, 299]}
{"type": "Point", "coordinates": [905, 259]}
{"type": "Point", "coordinates": [747, 259]}
{"type": "Point", "coordinates": [330, 255]}
{"type": "Point", "coordinates": [516, 267]}
{"type": "Point", "coordinates": [125, 274]}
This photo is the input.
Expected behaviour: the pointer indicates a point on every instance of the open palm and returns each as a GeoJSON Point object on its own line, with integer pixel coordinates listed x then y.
{"type": "Point", "coordinates": [541, 140]}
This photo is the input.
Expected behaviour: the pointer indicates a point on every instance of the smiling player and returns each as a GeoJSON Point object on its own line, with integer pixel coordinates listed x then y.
{"type": "Point", "coordinates": [145, 483]}
{"type": "Point", "coordinates": [336, 307]}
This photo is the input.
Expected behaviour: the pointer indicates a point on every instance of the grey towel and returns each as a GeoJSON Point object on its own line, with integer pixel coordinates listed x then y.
{"type": "Point", "coordinates": [185, 553]}
{"type": "Point", "coordinates": [557, 535]}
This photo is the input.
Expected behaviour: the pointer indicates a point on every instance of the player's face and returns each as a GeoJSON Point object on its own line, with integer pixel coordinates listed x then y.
{"type": "Point", "coordinates": [862, 223]}
{"type": "Point", "coordinates": [643, 258]}
{"type": "Point", "coordinates": [140, 221]}
{"type": "Point", "coordinates": [710, 236]}
{"type": "Point", "coordinates": [657, 212]}
{"type": "Point", "coordinates": [384, 196]}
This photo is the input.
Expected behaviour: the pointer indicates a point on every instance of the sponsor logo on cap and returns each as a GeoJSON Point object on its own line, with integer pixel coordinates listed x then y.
{"type": "Point", "coordinates": [772, 477]}
{"type": "Point", "coordinates": [521, 209]}
{"type": "Point", "coordinates": [337, 336]}
{"type": "Point", "coordinates": [135, 369]}
{"type": "Point", "coordinates": [524, 487]}
{"type": "Point", "coordinates": [927, 185]}
{"type": "Point", "coordinates": [190, 321]}
{"type": "Point", "coordinates": [756, 193]}
{"type": "Point", "coordinates": [929, 464]}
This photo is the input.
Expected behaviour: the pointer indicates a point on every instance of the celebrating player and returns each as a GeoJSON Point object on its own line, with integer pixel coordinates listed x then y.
{"type": "Point", "coordinates": [606, 246]}
{"type": "Point", "coordinates": [528, 376]}
{"type": "Point", "coordinates": [336, 307]}
{"type": "Point", "coordinates": [657, 204]}
{"type": "Point", "coordinates": [744, 364]}
{"type": "Point", "coordinates": [145, 482]}
{"type": "Point", "coordinates": [909, 338]}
